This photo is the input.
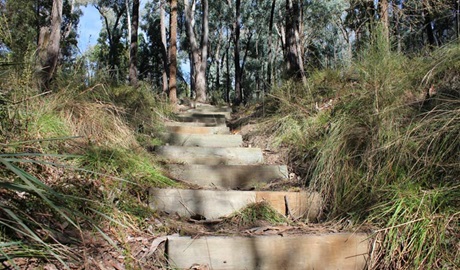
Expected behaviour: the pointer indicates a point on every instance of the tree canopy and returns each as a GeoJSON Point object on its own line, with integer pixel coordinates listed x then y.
{"type": "Point", "coordinates": [229, 51]}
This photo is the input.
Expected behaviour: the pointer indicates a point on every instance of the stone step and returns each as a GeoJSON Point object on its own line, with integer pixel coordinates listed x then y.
{"type": "Point", "coordinates": [227, 176]}
{"type": "Point", "coordinates": [203, 140]}
{"type": "Point", "coordinates": [307, 251]}
{"type": "Point", "coordinates": [211, 155]}
{"type": "Point", "coordinates": [208, 119]}
{"type": "Point", "coordinates": [213, 204]}
{"type": "Point", "coordinates": [184, 129]}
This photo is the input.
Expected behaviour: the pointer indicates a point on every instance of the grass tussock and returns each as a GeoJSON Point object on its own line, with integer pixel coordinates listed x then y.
{"type": "Point", "coordinates": [72, 170]}
{"type": "Point", "coordinates": [255, 213]}
{"type": "Point", "coordinates": [381, 141]}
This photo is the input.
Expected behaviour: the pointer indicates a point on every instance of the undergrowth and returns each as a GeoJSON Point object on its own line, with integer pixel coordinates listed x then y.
{"type": "Point", "coordinates": [73, 167]}
{"type": "Point", "coordinates": [380, 140]}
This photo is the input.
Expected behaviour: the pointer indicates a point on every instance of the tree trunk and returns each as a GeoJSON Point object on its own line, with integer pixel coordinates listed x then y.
{"type": "Point", "coordinates": [164, 50]}
{"type": "Point", "coordinates": [173, 53]}
{"type": "Point", "coordinates": [236, 53]}
{"type": "Point", "coordinates": [428, 27]}
{"type": "Point", "coordinates": [294, 61]}
{"type": "Point", "coordinates": [383, 6]}
{"type": "Point", "coordinates": [218, 60]}
{"type": "Point", "coordinates": [133, 46]}
{"type": "Point", "coordinates": [270, 45]}
{"type": "Point", "coordinates": [457, 18]}
{"type": "Point", "coordinates": [199, 54]}
{"type": "Point", "coordinates": [128, 17]}
{"type": "Point", "coordinates": [227, 63]}
{"type": "Point", "coordinates": [52, 51]}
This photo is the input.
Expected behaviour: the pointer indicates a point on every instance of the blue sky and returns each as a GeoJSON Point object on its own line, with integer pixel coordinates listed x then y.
{"type": "Point", "coordinates": [89, 27]}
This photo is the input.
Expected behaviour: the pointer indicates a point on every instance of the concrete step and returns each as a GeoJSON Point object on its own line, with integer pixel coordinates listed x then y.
{"type": "Point", "coordinates": [184, 129]}
{"type": "Point", "coordinates": [211, 155]}
{"type": "Point", "coordinates": [194, 124]}
{"type": "Point", "coordinates": [212, 108]}
{"type": "Point", "coordinates": [211, 112]}
{"type": "Point", "coordinates": [208, 119]}
{"type": "Point", "coordinates": [307, 251]}
{"type": "Point", "coordinates": [212, 204]}
{"type": "Point", "coordinates": [203, 140]}
{"type": "Point", "coordinates": [227, 176]}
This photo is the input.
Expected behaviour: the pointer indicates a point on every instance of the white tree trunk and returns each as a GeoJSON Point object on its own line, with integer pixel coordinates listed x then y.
{"type": "Point", "coordinates": [52, 51]}
{"type": "Point", "coordinates": [163, 40]}
{"type": "Point", "coordinates": [199, 54]}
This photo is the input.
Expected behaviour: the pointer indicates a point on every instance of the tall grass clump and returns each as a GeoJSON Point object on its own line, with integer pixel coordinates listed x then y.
{"type": "Point", "coordinates": [382, 145]}
{"type": "Point", "coordinates": [71, 165]}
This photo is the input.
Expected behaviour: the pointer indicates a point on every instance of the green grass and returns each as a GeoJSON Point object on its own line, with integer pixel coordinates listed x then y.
{"type": "Point", "coordinates": [382, 154]}
{"type": "Point", "coordinates": [100, 185]}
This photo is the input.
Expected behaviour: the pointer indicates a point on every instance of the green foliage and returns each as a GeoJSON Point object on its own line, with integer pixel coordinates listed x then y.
{"type": "Point", "coordinates": [382, 149]}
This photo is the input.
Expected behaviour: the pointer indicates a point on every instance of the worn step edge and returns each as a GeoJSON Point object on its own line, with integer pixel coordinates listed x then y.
{"type": "Point", "coordinates": [210, 119]}
{"type": "Point", "coordinates": [194, 124]}
{"type": "Point", "coordinates": [185, 129]}
{"type": "Point", "coordinates": [204, 113]}
{"type": "Point", "coordinates": [319, 251]}
{"type": "Point", "coordinates": [227, 176]}
{"type": "Point", "coordinates": [212, 204]}
{"type": "Point", "coordinates": [203, 140]}
{"type": "Point", "coordinates": [210, 109]}
{"type": "Point", "coordinates": [211, 155]}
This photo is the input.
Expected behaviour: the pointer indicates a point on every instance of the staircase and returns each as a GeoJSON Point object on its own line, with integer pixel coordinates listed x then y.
{"type": "Point", "coordinates": [201, 151]}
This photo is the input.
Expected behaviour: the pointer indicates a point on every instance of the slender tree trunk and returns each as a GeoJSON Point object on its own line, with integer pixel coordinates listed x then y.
{"type": "Point", "coordinates": [227, 62]}
{"type": "Point", "coordinates": [428, 27]}
{"type": "Point", "coordinates": [133, 46]}
{"type": "Point", "coordinates": [192, 75]}
{"type": "Point", "coordinates": [201, 76]}
{"type": "Point", "coordinates": [199, 54]}
{"type": "Point", "coordinates": [270, 45]}
{"type": "Point", "coordinates": [164, 50]}
{"type": "Point", "coordinates": [218, 61]}
{"type": "Point", "coordinates": [52, 52]}
{"type": "Point", "coordinates": [128, 17]}
{"type": "Point", "coordinates": [173, 53]}
{"type": "Point", "coordinates": [236, 53]}
{"type": "Point", "coordinates": [396, 17]}
{"type": "Point", "coordinates": [384, 18]}
{"type": "Point", "coordinates": [457, 18]}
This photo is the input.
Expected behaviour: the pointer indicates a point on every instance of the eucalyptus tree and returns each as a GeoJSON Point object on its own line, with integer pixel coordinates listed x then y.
{"type": "Point", "coordinates": [49, 60]}
{"type": "Point", "coordinates": [293, 50]}
{"type": "Point", "coordinates": [153, 50]}
{"type": "Point", "coordinates": [164, 74]}
{"type": "Point", "coordinates": [199, 53]}
{"type": "Point", "coordinates": [173, 52]}
{"type": "Point", "coordinates": [220, 20]}
{"type": "Point", "coordinates": [44, 26]}
{"type": "Point", "coordinates": [134, 44]}
{"type": "Point", "coordinates": [112, 12]}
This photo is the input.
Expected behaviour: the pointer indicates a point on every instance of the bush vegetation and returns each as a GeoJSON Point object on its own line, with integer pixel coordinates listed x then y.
{"type": "Point", "coordinates": [72, 163]}
{"type": "Point", "coordinates": [381, 141]}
